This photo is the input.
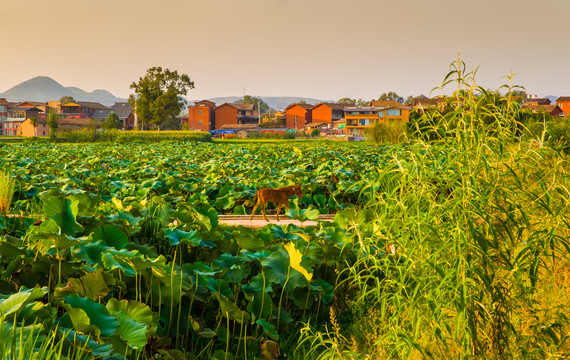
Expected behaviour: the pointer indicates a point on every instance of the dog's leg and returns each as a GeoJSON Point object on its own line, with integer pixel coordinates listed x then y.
{"type": "Point", "coordinates": [254, 208]}
{"type": "Point", "coordinates": [263, 211]}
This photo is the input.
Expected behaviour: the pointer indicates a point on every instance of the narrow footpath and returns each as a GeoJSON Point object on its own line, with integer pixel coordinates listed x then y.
{"type": "Point", "coordinates": [259, 222]}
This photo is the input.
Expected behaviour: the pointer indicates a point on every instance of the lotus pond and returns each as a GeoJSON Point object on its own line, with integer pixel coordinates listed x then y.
{"type": "Point", "coordinates": [115, 251]}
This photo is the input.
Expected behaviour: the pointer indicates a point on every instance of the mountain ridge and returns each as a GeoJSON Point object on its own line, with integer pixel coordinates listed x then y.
{"type": "Point", "coordinates": [44, 88]}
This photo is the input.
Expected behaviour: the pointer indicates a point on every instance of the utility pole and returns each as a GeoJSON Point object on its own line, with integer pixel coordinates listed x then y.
{"type": "Point", "coordinates": [258, 112]}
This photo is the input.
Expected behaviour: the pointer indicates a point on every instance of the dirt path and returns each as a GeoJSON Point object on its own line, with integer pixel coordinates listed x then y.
{"type": "Point", "coordinates": [259, 222]}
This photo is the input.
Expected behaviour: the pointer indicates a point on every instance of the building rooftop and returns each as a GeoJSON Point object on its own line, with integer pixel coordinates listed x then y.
{"type": "Point", "coordinates": [304, 106]}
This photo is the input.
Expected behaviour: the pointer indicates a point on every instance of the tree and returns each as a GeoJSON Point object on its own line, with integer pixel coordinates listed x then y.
{"type": "Point", "coordinates": [391, 96]}
{"type": "Point", "coordinates": [301, 102]}
{"type": "Point", "coordinates": [517, 95]}
{"type": "Point", "coordinates": [257, 102]}
{"type": "Point", "coordinates": [158, 96]}
{"type": "Point", "coordinates": [349, 101]}
{"type": "Point", "coordinates": [112, 122]}
{"type": "Point", "coordinates": [346, 101]}
{"type": "Point", "coordinates": [52, 123]}
{"type": "Point", "coordinates": [34, 122]}
{"type": "Point", "coordinates": [66, 99]}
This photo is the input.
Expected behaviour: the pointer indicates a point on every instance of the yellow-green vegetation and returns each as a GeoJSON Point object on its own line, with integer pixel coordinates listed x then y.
{"type": "Point", "coordinates": [465, 259]}
{"type": "Point", "coordinates": [91, 135]}
{"type": "Point", "coordinates": [392, 132]}
{"type": "Point", "coordinates": [7, 187]}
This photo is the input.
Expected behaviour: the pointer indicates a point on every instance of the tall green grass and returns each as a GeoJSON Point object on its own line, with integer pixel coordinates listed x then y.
{"type": "Point", "coordinates": [480, 266]}
{"type": "Point", "coordinates": [7, 188]}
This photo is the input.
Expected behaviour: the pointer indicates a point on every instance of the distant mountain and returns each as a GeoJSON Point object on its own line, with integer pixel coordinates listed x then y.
{"type": "Point", "coordinates": [43, 88]}
{"type": "Point", "coordinates": [275, 102]}
{"type": "Point", "coordinates": [552, 98]}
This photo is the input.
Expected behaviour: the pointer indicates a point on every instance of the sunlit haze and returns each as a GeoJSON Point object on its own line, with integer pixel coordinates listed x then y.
{"type": "Point", "coordinates": [325, 49]}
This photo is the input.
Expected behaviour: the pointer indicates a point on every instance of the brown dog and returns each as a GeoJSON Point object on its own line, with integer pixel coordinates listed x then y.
{"type": "Point", "coordinates": [277, 196]}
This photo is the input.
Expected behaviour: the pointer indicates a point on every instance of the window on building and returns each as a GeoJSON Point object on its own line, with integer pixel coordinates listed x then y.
{"type": "Point", "coordinates": [380, 113]}
{"type": "Point", "coordinates": [394, 112]}
{"type": "Point", "coordinates": [200, 123]}
{"type": "Point", "coordinates": [199, 112]}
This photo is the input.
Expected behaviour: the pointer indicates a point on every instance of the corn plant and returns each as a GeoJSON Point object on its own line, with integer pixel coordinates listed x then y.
{"type": "Point", "coordinates": [460, 240]}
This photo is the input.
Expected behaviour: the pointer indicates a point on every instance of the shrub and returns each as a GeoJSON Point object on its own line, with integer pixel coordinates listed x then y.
{"type": "Point", "coordinates": [315, 132]}
{"type": "Point", "coordinates": [388, 132]}
{"type": "Point", "coordinates": [89, 135]}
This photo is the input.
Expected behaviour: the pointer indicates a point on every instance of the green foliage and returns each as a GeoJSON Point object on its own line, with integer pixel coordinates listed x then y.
{"type": "Point", "coordinates": [86, 136]}
{"type": "Point", "coordinates": [392, 132]}
{"type": "Point", "coordinates": [112, 122]}
{"type": "Point", "coordinates": [391, 96]}
{"type": "Point", "coordinates": [315, 132]}
{"type": "Point", "coordinates": [34, 121]}
{"type": "Point", "coordinates": [66, 99]}
{"type": "Point", "coordinates": [259, 105]}
{"type": "Point", "coordinates": [158, 96]}
{"type": "Point", "coordinates": [354, 102]}
{"type": "Point", "coordinates": [52, 122]}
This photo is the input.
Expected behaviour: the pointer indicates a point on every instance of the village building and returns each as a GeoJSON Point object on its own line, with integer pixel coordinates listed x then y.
{"type": "Point", "coordinates": [327, 113]}
{"type": "Point", "coordinates": [536, 101]}
{"type": "Point", "coordinates": [340, 126]}
{"type": "Point", "coordinates": [360, 119]}
{"type": "Point", "coordinates": [27, 129]}
{"type": "Point", "coordinates": [563, 103]}
{"type": "Point", "coordinates": [202, 116]}
{"type": "Point", "coordinates": [4, 104]}
{"type": "Point", "coordinates": [123, 111]}
{"type": "Point", "coordinates": [553, 110]}
{"type": "Point", "coordinates": [297, 116]}
{"type": "Point", "coordinates": [322, 126]}
{"type": "Point", "coordinates": [423, 103]}
{"type": "Point", "coordinates": [233, 114]}
{"type": "Point", "coordinates": [236, 130]}
{"type": "Point", "coordinates": [77, 109]}
{"type": "Point", "coordinates": [16, 115]}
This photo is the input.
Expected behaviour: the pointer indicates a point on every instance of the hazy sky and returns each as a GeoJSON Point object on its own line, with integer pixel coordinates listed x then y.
{"type": "Point", "coordinates": [325, 49]}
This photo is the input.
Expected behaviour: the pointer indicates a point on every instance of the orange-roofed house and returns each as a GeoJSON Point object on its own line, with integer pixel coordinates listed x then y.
{"type": "Point", "coordinates": [297, 115]}
{"type": "Point", "coordinates": [327, 113]}
{"type": "Point", "coordinates": [201, 116]}
{"type": "Point", "coordinates": [232, 114]}
{"type": "Point", "coordinates": [563, 103]}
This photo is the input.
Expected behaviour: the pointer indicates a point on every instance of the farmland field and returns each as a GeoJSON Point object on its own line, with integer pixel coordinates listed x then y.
{"type": "Point", "coordinates": [115, 250]}
{"type": "Point", "coordinates": [130, 259]}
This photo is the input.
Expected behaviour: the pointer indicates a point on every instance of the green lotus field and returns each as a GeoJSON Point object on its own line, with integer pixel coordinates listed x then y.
{"type": "Point", "coordinates": [115, 250]}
